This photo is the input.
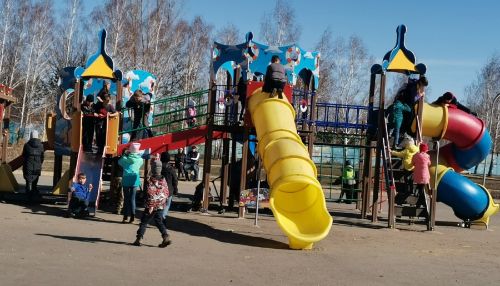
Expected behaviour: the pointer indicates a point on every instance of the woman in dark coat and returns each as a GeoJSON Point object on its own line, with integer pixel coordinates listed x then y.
{"type": "Point", "coordinates": [32, 163]}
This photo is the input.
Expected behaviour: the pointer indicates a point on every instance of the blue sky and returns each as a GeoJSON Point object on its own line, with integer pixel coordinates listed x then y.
{"type": "Point", "coordinates": [453, 38]}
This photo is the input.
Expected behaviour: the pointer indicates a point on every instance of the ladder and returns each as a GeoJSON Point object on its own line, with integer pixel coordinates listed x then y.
{"type": "Point", "coordinates": [389, 176]}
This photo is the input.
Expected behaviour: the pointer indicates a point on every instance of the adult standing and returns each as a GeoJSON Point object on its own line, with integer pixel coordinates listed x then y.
{"type": "Point", "coordinates": [180, 160]}
{"type": "Point", "coordinates": [193, 158]}
{"type": "Point", "coordinates": [131, 162]}
{"type": "Point", "coordinates": [32, 164]}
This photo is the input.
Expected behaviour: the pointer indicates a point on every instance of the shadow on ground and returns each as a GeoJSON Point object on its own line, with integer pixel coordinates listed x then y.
{"type": "Point", "coordinates": [88, 239]}
{"type": "Point", "coordinates": [199, 229]}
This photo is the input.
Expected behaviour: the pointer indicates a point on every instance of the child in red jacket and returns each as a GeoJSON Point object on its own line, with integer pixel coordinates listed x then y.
{"type": "Point", "coordinates": [156, 197]}
{"type": "Point", "coordinates": [421, 161]}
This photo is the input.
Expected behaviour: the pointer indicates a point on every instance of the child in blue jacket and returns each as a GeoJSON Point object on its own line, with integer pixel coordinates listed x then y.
{"type": "Point", "coordinates": [78, 197]}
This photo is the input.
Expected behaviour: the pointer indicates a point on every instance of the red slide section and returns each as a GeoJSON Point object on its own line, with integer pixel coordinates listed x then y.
{"type": "Point", "coordinates": [173, 141]}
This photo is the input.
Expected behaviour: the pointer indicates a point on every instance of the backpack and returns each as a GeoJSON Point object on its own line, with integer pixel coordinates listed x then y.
{"type": "Point", "coordinates": [157, 193]}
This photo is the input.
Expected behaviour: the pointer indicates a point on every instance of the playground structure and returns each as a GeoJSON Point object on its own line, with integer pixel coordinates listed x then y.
{"type": "Point", "coordinates": [289, 145]}
{"type": "Point", "coordinates": [6, 100]}
{"type": "Point", "coordinates": [470, 144]}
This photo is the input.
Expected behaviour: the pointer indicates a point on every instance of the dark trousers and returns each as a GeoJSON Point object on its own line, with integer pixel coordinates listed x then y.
{"type": "Point", "coordinates": [408, 178]}
{"type": "Point", "coordinates": [78, 206]}
{"type": "Point", "coordinates": [100, 133]}
{"type": "Point", "coordinates": [273, 84]}
{"type": "Point", "coordinates": [419, 189]}
{"type": "Point", "coordinates": [180, 170]}
{"type": "Point", "coordinates": [136, 124]}
{"type": "Point", "coordinates": [87, 133]}
{"type": "Point", "coordinates": [146, 218]}
{"type": "Point", "coordinates": [32, 188]}
{"type": "Point", "coordinates": [187, 169]}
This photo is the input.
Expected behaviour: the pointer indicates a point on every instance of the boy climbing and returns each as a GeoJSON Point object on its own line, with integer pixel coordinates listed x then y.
{"type": "Point", "coordinates": [275, 79]}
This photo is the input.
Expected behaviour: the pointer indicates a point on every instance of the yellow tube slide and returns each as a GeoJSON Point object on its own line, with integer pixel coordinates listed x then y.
{"type": "Point", "coordinates": [297, 199]}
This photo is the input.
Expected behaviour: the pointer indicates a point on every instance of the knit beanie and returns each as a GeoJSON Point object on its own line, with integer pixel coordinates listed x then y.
{"type": "Point", "coordinates": [34, 134]}
{"type": "Point", "coordinates": [155, 167]}
{"type": "Point", "coordinates": [424, 147]}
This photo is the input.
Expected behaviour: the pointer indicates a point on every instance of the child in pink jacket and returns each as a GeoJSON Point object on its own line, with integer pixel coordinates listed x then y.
{"type": "Point", "coordinates": [421, 161]}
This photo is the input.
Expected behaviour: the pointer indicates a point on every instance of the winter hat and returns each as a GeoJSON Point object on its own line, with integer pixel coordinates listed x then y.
{"type": "Point", "coordinates": [155, 167]}
{"type": "Point", "coordinates": [407, 141]}
{"type": "Point", "coordinates": [165, 157]}
{"type": "Point", "coordinates": [34, 134]}
{"type": "Point", "coordinates": [448, 96]}
{"type": "Point", "coordinates": [134, 147]}
{"type": "Point", "coordinates": [348, 163]}
{"type": "Point", "coordinates": [424, 147]}
{"type": "Point", "coordinates": [89, 98]}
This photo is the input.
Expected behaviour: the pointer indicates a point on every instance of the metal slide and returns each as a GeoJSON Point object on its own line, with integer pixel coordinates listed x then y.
{"type": "Point", "coordinates": [91, 165]}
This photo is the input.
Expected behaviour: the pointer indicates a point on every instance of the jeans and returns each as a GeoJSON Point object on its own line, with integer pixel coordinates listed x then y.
{"type": "Point", "coordinates": [129, 201]}
{"type": "Point", "coordinates": [146, 218]}
{"type": "Point", "coordinates": [167, 207]}
{"type": "Point", "coordinates": [395, 133]}
{"type": "Point", "coordinates": [187, 169]}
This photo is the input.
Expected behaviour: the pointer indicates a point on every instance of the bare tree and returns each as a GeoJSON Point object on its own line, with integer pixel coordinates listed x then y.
{"type": "Point", "coordinates": [480, 97]}
{"type": "Point", "coordinates": [279, 27]}
{"type": "Point", "coordinates": [6, 15]}
{"type": "Point", "coordinates": [37, 59]}
{"type": "Point", "coordinates": [229, 35]}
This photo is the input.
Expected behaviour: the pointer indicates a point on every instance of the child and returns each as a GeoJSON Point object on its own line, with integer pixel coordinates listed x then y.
{"type": "Point", "coordinates": [417, 88]}
{"type": "Point", "coordinates": [87, 108]}
{"type": "Point", "coordinates": [449, 98]}
{"type": "Point", "coordinates": [407, 155]}
{"type": "Point", "coordinates": [139, 107]}
{"type": "Point", "coordinates": [169, 173]}
{"type": "Point", "coordinates": [303, 109]}
{"type": "Point", "coordinates": [101, 110]}
{"type": "Point", "coordinates": [275, 78]}
{"type": "Point", "coordinates": [147, 112]}
{"type": "Point", "coordinates": [348, 183]}
{"type": "Point", "coordinates": [131, 163]}
{"type": "Point", "coordinates": [191, 113]}
{"type": "Point", "coordinates": [421, 162]}
{"type": "Point", "coordinates": [397, 116]}
{"type": "Point", "coordinates": [156, 197]}
{"type": "Point", "coordinates": [78, 197]}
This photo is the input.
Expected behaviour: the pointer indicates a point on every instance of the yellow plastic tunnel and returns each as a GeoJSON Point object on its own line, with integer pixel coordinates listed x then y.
{"type": "Point", "coordinates": [297, 199]}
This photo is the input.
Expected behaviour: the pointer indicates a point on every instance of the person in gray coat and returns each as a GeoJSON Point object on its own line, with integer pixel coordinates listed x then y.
{"type": "Point", "coordinates": [275, 79]}
{"type": "Point", "coordinates": [32, 164]}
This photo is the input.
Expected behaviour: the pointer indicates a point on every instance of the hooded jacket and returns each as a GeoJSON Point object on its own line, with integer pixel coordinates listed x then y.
{"type": "Point", "coordinates": [131, 164]}
{"type": "Point", "coordinates": [407, 155]}
{"type": "Point", "coordinates": [421, 161]}
{"type": "Point", "coordinates": [32, 159]}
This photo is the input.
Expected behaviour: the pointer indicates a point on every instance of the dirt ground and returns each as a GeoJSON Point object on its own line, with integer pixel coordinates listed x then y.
{"type": "Point", "coordinates": [39, 246]}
